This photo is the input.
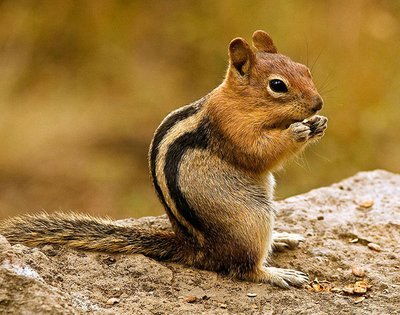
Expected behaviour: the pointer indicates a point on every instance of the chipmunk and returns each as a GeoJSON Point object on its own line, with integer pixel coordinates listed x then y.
{"type": "Point", "coordinates": [211, 163]}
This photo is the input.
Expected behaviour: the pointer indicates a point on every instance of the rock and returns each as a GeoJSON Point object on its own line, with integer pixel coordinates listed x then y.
{"type": "Point", "coordinates": [112, 301]}
{"type": "Point", "coordinates": [336, 290]}
{"type": "Point", "coordinates": [358, 271]}
{"type": "Point", "coordinates": [375, 247]}
{"type": "Point", "coordinates": [191, 299]}
{"type": "Point", "coordinates": [4, 244]}
{"type": "Point", "coordinates": [67, 282]}
{"type": "Point", "coordinates": [366, 204]}
{"type": "Point", "coordinates": [49, 250]}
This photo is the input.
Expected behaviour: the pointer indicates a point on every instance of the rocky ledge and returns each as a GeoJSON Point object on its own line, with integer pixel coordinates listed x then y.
{"type": "Point", "coordinates": [352, 253]}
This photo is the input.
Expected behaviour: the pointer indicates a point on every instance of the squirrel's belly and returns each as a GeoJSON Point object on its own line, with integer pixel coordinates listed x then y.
{"type": "Point", "coordinates": [224, 197]}
{"type": "Point", "coordinates": [235, 209]}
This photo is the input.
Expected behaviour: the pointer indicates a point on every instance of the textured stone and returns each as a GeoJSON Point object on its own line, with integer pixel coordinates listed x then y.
{"type": "Point", "coordinates": [69, 281]}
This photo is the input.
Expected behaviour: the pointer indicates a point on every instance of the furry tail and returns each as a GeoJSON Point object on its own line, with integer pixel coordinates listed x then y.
{"type": "Point", "coordinates": [90, 233]}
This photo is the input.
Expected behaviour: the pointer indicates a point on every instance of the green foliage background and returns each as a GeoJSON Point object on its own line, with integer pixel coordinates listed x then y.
{"type": "Point", "coordinates": [84, 84]}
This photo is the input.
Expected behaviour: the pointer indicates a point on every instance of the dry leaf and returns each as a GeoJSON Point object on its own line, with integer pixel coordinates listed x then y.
{"type": "Point", "coordinates": [360, 290]}
{"type": "Point", "coordinates": [317, 287]}
{"type": "Point", "coordinates": [363, 283]}
{"type": "Point", "coordinates": [359, 287]}
{"type": "Point", "coordinates": [349, 289]}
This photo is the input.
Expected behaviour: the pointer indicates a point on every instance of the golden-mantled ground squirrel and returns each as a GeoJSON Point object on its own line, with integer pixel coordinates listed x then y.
{"type": "Point", "coordinates": [211, 164]}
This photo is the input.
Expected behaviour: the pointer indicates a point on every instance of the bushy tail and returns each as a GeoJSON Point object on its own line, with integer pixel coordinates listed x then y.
{"type": "Point", "coordinates": [90, 233]}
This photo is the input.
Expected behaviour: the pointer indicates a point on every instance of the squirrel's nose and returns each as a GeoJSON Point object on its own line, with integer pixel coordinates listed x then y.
{"type": "Point", "coordinates": [318, 102]}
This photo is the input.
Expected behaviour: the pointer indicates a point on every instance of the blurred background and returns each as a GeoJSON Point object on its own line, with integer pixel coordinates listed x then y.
{"type": "Point", "coordinates": [84, 84]}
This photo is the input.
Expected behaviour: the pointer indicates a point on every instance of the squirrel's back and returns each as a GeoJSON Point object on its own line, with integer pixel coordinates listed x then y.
{"type": "Point", "coordinates": [169, 144]}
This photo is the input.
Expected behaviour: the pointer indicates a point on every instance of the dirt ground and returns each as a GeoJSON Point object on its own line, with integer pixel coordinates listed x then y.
{"type": "Point", "coordinates": [352, 253]}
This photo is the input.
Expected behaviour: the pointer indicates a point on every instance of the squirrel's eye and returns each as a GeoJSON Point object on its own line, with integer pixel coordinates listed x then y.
{"type": "Point", "coordinates": [278, 86]}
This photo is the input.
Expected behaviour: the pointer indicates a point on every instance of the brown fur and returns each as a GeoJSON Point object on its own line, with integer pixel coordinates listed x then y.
{"type": "Point", "coordinates": [255, 122]}
{"type": "Point", "coordinates": [219, 198]}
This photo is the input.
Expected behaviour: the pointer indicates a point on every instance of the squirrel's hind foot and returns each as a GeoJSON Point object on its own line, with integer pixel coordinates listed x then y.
{"type": "Point", "coordinates": [282, 241]}
{"type": "Point", "coordinates": [283, 278]}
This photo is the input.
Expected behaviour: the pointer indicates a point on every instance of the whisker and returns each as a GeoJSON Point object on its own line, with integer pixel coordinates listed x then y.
{"type": "Point", "coordinates": [319, 55]}
{"type": "Point", "coordinates": [321, 156]}
{"type": "Point", "coordinates": [328, 91]}
{"type": "Point", "coordinates": [307, 52]}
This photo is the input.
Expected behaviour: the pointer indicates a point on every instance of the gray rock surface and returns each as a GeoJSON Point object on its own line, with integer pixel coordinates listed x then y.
{"type": "Point", "coordinates": [339, 222]}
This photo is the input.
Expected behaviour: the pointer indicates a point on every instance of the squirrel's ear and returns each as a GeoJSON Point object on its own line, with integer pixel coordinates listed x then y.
{"type": "Point", "coordinates": [240, 55]}
{"type": "Point", "coordinates": [263, 42]}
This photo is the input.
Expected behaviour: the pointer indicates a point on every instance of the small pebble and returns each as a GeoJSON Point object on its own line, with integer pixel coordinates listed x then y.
{"type": "Point", "coordinates": [358, 271]}
{"type": "Point", "coordinates": [49, 250]}
{"type": "Point", "coordinates": [223, 306]}
{"type": "Point", "coordinates": [47, 247]}
{"type": "Point", "coordinates": [109, 260]}
{"type": "Point", "coordinates": [191, 299]}
{"type": "Point", "coordinates": [320, 217]}
{"type": "Point", "coordinates": [374, 247]}
{"type": "Point", "coordinates": [251, 294]}
{"type": "Point", "coordinates": [112, 301]}
{"type": "Point", "coordinates": [366, 204]}
{"type": "Point", "coordinates": [359, 299]}
{"type": "Point", "coordinates": [336, 290]}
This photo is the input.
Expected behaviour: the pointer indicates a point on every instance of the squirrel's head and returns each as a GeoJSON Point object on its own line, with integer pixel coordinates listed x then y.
{"type": "Point", "coordinates": [275, 90]}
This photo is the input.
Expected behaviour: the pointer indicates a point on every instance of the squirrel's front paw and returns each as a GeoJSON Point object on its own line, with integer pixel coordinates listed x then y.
{"type": "Point", "coordinates": [317, 124]}
{"type": "Point", "coordinates": [300, 131]}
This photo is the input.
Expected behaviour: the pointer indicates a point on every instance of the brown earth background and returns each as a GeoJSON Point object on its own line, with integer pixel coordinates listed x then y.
{"type": "Point", "coordinates": [84, 84]}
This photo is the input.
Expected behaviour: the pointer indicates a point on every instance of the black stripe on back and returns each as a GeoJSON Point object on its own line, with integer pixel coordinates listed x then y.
{"type": "Point", "coordinates": [158, 137]}
{"type": "Point", "coordinates": [199, 139]}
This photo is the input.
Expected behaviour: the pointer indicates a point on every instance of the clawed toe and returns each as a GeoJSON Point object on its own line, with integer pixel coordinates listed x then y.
{"type": "Point", "coordinates": [317, 125]}
{"type": "Point", "coordinates": [285, 278]}
{"type": "Point", "coordinates": [282, 241]}
{"type": "Point", "coordinates": [280, 246]}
